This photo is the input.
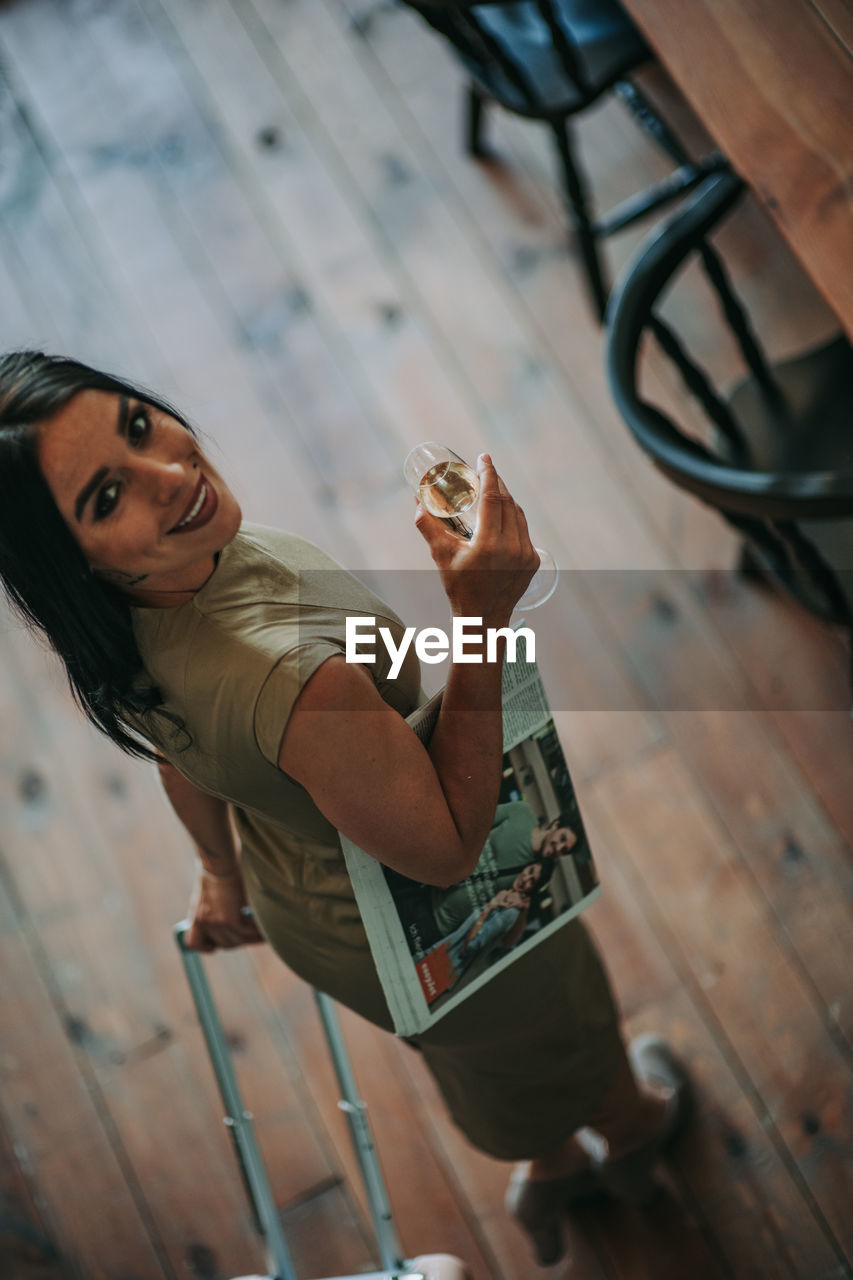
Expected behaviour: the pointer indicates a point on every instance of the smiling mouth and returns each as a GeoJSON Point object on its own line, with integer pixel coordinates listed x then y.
{"type": "Point", "coordinates": [201, 509]}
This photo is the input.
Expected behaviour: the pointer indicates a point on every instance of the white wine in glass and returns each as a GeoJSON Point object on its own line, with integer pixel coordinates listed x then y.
{"type": "Point", "coordinates": [448, 488]}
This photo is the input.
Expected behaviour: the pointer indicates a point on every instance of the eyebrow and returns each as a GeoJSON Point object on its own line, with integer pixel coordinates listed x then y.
{"type": "Point", "coordinates": [101, 474]}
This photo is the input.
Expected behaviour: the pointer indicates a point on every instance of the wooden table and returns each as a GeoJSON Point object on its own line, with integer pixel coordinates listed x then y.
{"type": "Point", "coordinates": [772, 80]}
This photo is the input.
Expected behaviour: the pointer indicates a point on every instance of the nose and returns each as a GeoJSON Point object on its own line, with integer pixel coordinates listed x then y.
{"type": "Point", "coordinates": [163, 477]}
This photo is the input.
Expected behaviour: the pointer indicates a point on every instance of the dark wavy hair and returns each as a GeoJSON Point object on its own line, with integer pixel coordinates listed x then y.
{"type": "Point", "coordinates": [46, 575]}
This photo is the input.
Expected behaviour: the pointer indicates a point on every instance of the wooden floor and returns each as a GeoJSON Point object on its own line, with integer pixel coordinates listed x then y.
{"type": "Point", "coordinates": [260, 210]}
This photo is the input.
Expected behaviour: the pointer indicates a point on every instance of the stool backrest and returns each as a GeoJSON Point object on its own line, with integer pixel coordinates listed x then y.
{"type": "Point", "coordinates": [727, 481]}
{"type": "Point", "coordinates": [766, 506]}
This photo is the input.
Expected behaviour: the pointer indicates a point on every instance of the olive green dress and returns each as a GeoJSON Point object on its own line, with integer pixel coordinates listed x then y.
{"type": "Point", "coordinates": [528, 1057]}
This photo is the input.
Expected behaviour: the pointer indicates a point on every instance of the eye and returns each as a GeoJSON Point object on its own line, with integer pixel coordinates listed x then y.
{"type": "Point", "coordinates": [138, 426]}
{"type": "Point", "coordinates": [106, 500]}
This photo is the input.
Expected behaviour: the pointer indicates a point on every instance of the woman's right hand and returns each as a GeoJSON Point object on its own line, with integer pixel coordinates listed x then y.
{"type": "Point", "coordinates": [486, 576]}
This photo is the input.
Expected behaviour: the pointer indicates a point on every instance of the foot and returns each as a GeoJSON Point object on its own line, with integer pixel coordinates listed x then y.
{"type": "Point", "coordinates": [538, 1205]}
{"type": "Point", "coordinates": [630, 1177]}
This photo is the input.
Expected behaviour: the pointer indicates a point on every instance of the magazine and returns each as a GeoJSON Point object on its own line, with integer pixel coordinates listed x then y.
{"type": "Point", "coordinates": [434, 947]}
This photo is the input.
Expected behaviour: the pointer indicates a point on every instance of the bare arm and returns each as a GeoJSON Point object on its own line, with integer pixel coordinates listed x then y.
{"type": "Point", "coordinates": [425, 813]}
{"type": "Point", "coordinates": [218, 903]}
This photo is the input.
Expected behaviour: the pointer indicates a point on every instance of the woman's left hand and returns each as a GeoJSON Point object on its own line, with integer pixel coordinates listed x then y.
{"type": "Point", "coordinates": [509, 898]}
{"type": "Point", "coordinates": [219, 913]}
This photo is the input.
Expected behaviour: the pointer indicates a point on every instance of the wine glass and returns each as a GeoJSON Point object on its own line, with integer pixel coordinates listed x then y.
{"type": "Point", "coordinates": [448, 488]}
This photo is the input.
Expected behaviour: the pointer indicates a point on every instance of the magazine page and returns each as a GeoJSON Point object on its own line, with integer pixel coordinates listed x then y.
{"type": "Point", "coordinates": [434, 947]}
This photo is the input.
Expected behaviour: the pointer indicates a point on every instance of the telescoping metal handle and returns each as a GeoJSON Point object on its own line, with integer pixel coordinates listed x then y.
{"type": "Point", "coordinates": [237, 1118]}
{"type": "Point", "coordinates": [239, 1122]}
{"type": "Point", "coordinates": [390, 1251]}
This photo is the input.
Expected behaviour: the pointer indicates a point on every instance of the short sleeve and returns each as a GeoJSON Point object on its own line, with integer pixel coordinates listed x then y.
{"type": "Point", "coordinates": [281, 689]}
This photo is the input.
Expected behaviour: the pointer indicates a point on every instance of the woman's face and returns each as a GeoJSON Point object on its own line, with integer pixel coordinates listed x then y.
{"type": "Point", "coordinates": [527, 880]}
{"type": "Point", "coordinates": [145, 505]}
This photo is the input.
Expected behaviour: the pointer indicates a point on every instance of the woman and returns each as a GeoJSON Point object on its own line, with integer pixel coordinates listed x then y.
{"type": "Point", "coordinates": [216, 648]}
{"type": "Point", "coordinates": [498, 925]}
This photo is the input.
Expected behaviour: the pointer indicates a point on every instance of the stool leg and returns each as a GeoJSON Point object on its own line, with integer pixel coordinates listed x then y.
{"type": "Point", "coordinates": [581, 222]}
{"type": "Point", "coordinates": [646, 116]}
{"type": "Point", "coordinates": [476, 105]}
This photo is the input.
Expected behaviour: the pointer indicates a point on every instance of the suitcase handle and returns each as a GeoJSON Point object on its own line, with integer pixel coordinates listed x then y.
{"type": "Point", "coordinates": [239, 1122]}
{"type": "Point", "coordinates": [237, 1118]}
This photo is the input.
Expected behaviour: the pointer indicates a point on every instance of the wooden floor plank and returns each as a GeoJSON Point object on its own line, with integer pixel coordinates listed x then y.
{"type": "Point", "coordinates": [245, 277]}
{"type": "Point", "coordinates": [131, 211]}
{"type": "Point", "coordinates": [482, 341]}
{"type": "Point", "coordinates": [27, 1242]}
{"type": "Point", "coordinates": [763, 1007]}
{"type": "Point", "coordinates": [735, 1176]}
{"type": "Point", "coordinates": [52, 1111]}
{"type": "Point", "coordinates": [782, 834]}
{"type": "Point", "coordinates": [821, 745]}
{"type": "Point", "coordinates": [356, 292]}
{"type": "Point", "coordinates": [56, 262]}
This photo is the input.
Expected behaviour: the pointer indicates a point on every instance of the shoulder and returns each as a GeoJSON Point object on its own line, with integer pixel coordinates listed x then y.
{"type": "Point", "coordinates": [261, 564]}
{"type": "Point", "coordinates": [270, 570]}
{"type": "Point", "coordinates": [515, 813]}
{"type": "Point", "coordinates": [259, 544]}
